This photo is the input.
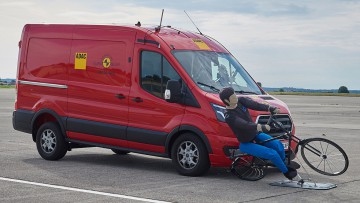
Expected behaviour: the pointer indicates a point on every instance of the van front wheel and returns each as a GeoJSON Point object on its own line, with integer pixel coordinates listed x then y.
{"type": "Point", "coordinates": [50, 142]}
{"type": "Point", "coordinates": [189, 155]}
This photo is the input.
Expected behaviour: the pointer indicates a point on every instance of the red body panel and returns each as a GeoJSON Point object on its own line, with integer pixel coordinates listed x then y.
{"type": "Point", "coordinates": [152, 113]}
{"type": "Point", "coordinates": [92, 92]}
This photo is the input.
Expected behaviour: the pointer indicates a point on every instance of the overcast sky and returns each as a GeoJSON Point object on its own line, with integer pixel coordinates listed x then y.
{"type": "Point", "coordinates": [307, 44]}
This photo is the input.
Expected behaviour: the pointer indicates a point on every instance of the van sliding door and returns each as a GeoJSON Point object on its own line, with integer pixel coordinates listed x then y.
{"type": "Point", "coordinates": [99, 86]}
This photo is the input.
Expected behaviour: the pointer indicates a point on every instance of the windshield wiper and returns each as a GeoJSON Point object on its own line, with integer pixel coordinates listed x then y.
{"type": "Point", "coordinates": [217, 90]}
{"type": "Point", "coordinates": [245, 92]}
{"type": "Point", "coordinates": [209, 86]}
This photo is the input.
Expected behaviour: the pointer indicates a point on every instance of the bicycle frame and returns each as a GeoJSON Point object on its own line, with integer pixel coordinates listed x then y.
{"type": "Point", "coordinates": [290, 137]}
{"type": "Point", "coordinates": [305, 144]}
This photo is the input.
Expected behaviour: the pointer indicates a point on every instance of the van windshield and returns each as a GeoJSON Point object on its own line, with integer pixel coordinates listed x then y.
{"type": "Point", "coordinates": [212, 71]}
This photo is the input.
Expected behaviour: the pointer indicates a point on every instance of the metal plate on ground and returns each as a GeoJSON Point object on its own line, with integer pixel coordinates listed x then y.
{"type": "Point", "coordinates": [305, 185]}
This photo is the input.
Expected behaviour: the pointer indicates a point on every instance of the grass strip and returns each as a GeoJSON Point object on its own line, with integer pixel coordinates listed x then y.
{"type": "Point", "coordinates": [315, 94]}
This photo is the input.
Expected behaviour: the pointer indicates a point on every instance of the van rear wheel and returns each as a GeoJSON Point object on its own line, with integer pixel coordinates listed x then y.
{"type": "Point", "coordinates": [50, 142]}
{"type": "Point", "coordinates": [189, 155]}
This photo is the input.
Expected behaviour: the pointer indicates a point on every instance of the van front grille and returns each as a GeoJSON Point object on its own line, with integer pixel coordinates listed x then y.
{"type": "Point", "coordinates": [284, 119]}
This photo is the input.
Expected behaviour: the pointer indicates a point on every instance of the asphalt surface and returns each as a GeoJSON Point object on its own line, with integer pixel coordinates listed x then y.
{"type": "Point", "coordinates": [98, 175]}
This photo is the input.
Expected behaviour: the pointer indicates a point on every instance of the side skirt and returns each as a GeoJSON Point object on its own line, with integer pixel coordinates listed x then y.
{"type": "Point", "coordinates": [91, 144]}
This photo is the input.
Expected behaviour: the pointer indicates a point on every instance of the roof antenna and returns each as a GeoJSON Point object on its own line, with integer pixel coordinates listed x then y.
{"type": "Point", "coordinates": [159, 27]}
{"type": "Point", "coordinates": [193, 23]}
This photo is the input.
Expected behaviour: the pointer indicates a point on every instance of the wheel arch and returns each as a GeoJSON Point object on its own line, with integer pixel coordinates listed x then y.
{"type": "Point", "coordinates": [46, 115]}
{"type": "Point", "coordinates": [178, 131]}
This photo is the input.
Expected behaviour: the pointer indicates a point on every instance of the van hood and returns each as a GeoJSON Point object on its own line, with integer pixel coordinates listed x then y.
{"type": "Point", "coordinates": [265, 99]}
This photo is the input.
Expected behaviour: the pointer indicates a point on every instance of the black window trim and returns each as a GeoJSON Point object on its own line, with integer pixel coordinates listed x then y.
{"type": "Point", "coordinates": [162, 71]}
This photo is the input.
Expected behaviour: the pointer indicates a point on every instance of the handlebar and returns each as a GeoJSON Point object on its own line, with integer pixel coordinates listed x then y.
{"type": "Point", "coordinates": [272, 120]}
{"type": "Point", "coordinates": [287, 134]}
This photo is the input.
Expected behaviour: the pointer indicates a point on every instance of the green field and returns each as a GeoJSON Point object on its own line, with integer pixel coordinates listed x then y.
{"type": "Point", "coordinates": [315, 94]}
{"type": "Point", "coordinates": [7, 86]}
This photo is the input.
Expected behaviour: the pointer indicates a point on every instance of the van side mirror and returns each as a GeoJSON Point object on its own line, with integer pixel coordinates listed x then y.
{"type": "Point", "coordinates": [173, 91]}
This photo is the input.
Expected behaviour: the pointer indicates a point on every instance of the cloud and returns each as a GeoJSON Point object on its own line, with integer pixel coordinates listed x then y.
{"type": "Point", "coordinates": [297, 40]}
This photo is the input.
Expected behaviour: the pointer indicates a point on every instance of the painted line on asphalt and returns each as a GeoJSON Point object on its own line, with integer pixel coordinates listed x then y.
{"type": "Point", "coordinates": [82, 190]}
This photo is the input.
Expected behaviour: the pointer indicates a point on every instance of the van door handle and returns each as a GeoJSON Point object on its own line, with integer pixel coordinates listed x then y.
{"type": "Point", "coordinates": [137, 99]}
{"type": "Point", "coordinates": [120, 96]}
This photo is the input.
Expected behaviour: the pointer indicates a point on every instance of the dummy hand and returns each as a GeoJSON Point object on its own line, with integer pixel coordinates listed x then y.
{"type": "Point", "coordinates": [263, 128]}
{"type": "Point", "coordinates": [274, 110]}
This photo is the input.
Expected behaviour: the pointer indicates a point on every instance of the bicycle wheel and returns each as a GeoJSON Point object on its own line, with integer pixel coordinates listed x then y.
{"type": "Point", "coordinates": [324, 156]}
{"type": "Point", "coordinates": [249, 168]}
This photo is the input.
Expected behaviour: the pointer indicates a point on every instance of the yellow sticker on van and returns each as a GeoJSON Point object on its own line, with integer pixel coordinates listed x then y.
{"type": "Point", "coordinates": [106, 62]}
{"type": "Point", "coordinates": [201, 44]}
{"type": "Point", "coordinates": [80, 61]}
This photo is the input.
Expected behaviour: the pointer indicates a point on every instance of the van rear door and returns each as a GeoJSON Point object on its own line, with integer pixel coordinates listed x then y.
{"type": "Point", "coordinates": [99, 85]}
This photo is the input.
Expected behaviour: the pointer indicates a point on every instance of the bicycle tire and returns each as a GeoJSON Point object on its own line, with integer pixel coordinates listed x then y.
{"type": "Point", "coordinates": [249, 168]}
{"type": "Point", "coordinates": [316, 153]}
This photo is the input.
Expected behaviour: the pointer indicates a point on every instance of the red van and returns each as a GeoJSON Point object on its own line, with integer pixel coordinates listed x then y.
{"type": "Point", "coordinates": [105, 86]}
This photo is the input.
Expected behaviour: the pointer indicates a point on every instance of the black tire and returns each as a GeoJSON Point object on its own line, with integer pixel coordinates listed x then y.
{"type": "Point", "coordinates": [50, 142]}
{"type": "Point", "coordinates": [324, 156]}
{"type": "Point", "coordinates": [189, 155]}
{"type": "Point", "coordinates": [249, 168]}
{"type": "Point", "coordinates": [119, 152]}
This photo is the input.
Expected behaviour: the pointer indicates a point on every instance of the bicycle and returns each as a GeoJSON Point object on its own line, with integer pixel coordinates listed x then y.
{"type": "Point", "coordinates": [320, 154]}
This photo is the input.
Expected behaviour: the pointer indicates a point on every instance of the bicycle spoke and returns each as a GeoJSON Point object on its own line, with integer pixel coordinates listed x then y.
{"type": "Point", "coordinates": [324, 156]}
{"type": "Point", "coordinates": [329, 166]}
{"type": "Point", "coordinates": [319, 163]}
{"type": "Point", "coordinates": [335, 155]}
{"type": "Point", "coordinates": [315, 146]}
{"type": "Point", "coordinates": [313, 149]}
{"type": "Point", "coordinates": [251, 171]}
{"type": "Point", "coordinates": [315, 161]}
{"type": "Point", "coordinates": [261, 172]}
{"type": "Point", "coordinates": [246, 162]}
{"type": "Point", "coordinates": [326, 148]}
{"type": "Point", "coordinates": [334, 166]}
{"type": "Point", "coordinates": [255, 172]}
{"type": "Point", "coordinates": [322, 150]}
{"type": "Point", "coordinates": [339, 159]}
{"type": "Point", "coordinates": [333, 151]}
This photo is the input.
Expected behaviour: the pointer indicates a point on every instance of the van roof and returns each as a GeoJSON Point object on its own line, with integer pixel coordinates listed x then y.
{"type": "Point", "coordinates": [175, 39]}
{"type": "Point", "coordinates": [186, 40]}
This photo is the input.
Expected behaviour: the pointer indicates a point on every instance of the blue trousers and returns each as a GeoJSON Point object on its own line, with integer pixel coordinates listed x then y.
{"type": "Point", "coordinates": [273, 150]}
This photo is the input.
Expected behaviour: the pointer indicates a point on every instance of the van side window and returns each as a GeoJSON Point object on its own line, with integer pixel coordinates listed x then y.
{"type": "Point", "coordinates": [155, 72]}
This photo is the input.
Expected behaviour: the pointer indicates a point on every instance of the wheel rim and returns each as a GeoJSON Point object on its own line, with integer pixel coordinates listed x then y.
{"type": "Point", "coordinates": [249, 169]}
{"type": "Point", "coordinates": [330, 159]}
{"type": "Point", "coordinates": [48, 141]}
{"type": "Point", "coordinates": [188, 155]}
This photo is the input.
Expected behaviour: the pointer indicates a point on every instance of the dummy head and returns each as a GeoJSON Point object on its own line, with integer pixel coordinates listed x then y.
{"type": "Point", "coordinates": [228, 96]}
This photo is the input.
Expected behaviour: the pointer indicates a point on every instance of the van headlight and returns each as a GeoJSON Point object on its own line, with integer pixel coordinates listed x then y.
{"type": "Point", "coordinates": [219, 112]}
